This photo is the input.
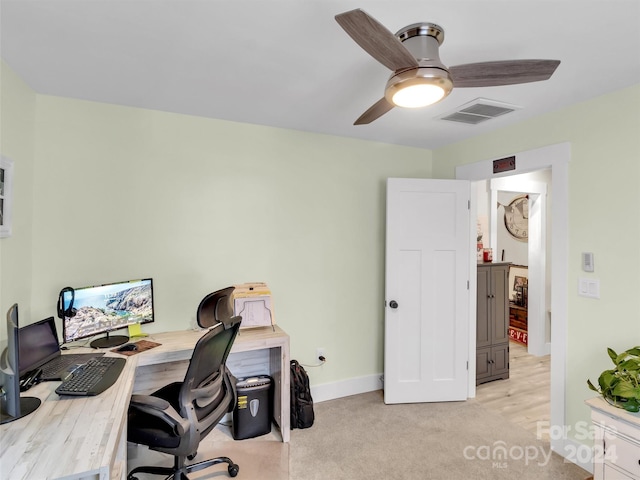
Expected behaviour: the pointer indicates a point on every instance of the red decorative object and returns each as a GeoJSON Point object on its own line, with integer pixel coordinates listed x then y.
{"type": "Point", "coordinates": [518, 335]}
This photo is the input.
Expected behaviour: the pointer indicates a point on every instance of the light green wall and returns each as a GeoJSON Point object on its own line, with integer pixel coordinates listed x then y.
{"type": "Point", "coordinates": [200, 204]}
{"type": "Point", "coordinates": [17, 117]}
{"type": "Point", "coordinates": [104, 193]}
{"type": "Point", "coordinates": [604, 218]}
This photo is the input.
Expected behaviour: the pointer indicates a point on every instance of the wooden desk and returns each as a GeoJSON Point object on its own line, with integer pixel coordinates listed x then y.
{"type": "Point", "coordinates": [85, 437]}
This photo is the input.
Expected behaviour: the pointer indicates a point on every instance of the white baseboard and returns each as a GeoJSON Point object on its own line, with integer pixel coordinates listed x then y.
{"type": "Point", "coordinates": [345, 388]}
{"type": "Point", "coordinates": [574, 452]}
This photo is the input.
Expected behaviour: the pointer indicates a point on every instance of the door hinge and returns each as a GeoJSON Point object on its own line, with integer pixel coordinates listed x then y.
{"type": "Point", "coordinates": [468, 204]}
{"type": "Point", "coordinates": [467, 364]}
{"type": "Point", "coordinates": [467, 284]}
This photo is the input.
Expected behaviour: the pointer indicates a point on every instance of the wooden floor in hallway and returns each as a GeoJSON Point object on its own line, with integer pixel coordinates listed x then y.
{"type": "Point", "coordinates": [523, 398]}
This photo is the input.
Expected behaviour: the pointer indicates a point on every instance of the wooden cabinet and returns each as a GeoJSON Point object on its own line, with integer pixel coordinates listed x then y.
{"type": "Point", "coordinates": [518, 328]}
{"type": "Point", "coordinates": [518, 317]}
{"type": "Point", "coordinates": [492, 329]}
{"type": "Point", "coordinates": [616, 446]}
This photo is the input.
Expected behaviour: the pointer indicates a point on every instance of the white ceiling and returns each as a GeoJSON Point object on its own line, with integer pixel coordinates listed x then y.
{"type": "Point", "coordinates": [287, 63]}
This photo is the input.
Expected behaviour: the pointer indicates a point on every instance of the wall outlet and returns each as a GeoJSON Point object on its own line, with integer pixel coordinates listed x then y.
{"type": "Point", "coordinates": [320, 352]}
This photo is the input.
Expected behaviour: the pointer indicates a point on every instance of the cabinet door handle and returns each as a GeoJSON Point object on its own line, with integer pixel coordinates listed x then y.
{"type": "Point", "coordinates": [393, 304]}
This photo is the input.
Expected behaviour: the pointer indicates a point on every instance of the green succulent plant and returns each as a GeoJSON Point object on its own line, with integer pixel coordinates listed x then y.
{"type": "Point", "coordinates": [621, 385]}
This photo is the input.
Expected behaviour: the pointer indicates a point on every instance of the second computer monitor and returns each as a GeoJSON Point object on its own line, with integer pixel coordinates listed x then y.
{"type": "Point", "coordinates": [89, 311]}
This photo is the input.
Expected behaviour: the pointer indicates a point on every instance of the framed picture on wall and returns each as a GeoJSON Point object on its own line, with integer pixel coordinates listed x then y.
{"type": "Point", "coordinates": [518, 279]}
{"type": "Point", "coordinates": [6, 192]}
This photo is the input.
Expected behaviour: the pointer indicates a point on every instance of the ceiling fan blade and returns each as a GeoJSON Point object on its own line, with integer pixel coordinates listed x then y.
{"type": "Point", "coordinates": [374, 112]}
{"type": "Point", "coordinates": [507, 72]}
{"type": "Point", "coordinates": [376, 40]}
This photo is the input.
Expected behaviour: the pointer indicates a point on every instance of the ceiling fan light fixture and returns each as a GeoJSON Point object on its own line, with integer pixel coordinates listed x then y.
{"type": "Point", "coordinates": [418, 87]}
{"type": "Point", "coordinates": [418, 95]}
{"type": "Point", "coordinates": [413, 55]}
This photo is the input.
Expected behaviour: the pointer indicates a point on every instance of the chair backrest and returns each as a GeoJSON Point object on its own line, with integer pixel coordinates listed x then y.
{"type": "Point", "coordinates": [208, 390]}
{"type": "Point", "coordinates": [215, 307]}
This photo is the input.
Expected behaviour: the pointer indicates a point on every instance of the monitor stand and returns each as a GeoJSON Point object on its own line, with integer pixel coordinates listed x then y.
{"type": "Point", "coordinates": [108, 341]}
{"type": "Point", "coordinates": [27, 405]}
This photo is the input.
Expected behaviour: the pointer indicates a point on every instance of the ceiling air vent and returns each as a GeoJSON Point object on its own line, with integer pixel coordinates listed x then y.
{"type": "Point", "coordinates": [478, 111]}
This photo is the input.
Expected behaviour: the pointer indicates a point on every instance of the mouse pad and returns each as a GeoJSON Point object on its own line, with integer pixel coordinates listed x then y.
{"type": "Point", "coordinates": [142, 345]}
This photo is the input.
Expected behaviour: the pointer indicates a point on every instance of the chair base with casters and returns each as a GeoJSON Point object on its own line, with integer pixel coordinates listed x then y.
{"type": "Point", "coordinates": [180, 470]}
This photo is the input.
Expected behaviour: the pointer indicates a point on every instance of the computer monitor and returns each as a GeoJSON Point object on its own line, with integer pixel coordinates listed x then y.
{"type": "Point", "coordinates": [12, 405]}
{"type": "Point", "coordinates": [90, 311]}
{"type": "Point", "coordinates": [38, 344]}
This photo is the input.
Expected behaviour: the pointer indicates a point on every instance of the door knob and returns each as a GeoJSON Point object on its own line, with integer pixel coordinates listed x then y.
{"type": "Point", "coordinates": [393, 304]}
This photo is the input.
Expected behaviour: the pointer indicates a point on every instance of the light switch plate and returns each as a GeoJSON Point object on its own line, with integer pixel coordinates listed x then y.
{"type": "Point", "coordinates": [589, 287]}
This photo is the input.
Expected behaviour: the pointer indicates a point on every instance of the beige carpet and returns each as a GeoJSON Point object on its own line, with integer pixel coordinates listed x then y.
{"type": "Point", "coordinates": [361, 438]}
{"type": "Point", "coordinates": [262, 458]}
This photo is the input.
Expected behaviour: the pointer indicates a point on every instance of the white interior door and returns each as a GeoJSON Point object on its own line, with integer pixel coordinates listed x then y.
{"type": "Point", "coordinates": [427, 290]}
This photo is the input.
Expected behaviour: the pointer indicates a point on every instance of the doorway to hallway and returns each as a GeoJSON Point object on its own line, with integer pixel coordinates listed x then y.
{"type": "Point", "coordinates": [524, 401]}
{"type": "Point", "coordinates": [556, 158]}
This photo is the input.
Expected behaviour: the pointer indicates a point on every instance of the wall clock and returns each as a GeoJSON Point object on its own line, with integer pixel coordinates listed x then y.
{"type": "Point", "coordinates": [516, 217]}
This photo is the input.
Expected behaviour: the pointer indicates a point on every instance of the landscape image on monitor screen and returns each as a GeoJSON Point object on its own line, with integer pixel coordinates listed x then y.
{"type": "Point", "coordinates": [109, 307]}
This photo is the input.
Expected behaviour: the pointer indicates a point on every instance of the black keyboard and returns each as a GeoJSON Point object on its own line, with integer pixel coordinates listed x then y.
{"type": "Point", "coordinates": [55, 369]}
{"type": "Point", "coordinates": [92, 378]}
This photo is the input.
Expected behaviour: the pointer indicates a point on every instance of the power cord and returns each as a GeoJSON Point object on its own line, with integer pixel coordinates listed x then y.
{"type": "Point", "coordinates": [322, 359]}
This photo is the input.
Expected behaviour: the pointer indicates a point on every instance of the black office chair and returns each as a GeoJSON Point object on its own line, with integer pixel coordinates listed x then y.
{"type": "Point", "coordinates": [177, 417]}
{"type": "Point", "coordinates": [216, 307]}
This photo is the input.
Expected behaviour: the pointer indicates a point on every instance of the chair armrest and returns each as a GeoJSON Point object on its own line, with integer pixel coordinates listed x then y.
{"type": "Point", "coordinates": [161, 409]}
{"type": "Point", "coordinates": [232, 382]}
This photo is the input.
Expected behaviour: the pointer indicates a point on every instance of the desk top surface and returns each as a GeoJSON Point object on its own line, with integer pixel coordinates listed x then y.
{"type": "Point", "coordinates": [599, 403]}
{"type": "Point", "coordinates": [176, 346]}
{"type": "Point", "coordinates": [67, 436]}
{"type": "Point", "coordinates": [70, 437]}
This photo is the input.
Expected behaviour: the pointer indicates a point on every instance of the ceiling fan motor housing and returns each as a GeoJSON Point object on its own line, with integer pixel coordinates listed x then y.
{"type": "Point", "coordinates": [422, 40]}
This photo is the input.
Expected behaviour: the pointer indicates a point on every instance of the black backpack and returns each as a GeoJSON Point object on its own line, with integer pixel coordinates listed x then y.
{"type": "Point", "coordinates": [301, 402]}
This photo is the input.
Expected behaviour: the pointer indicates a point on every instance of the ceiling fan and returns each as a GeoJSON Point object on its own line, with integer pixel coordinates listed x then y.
{"type": "Point", "coordinates": [419, 78]}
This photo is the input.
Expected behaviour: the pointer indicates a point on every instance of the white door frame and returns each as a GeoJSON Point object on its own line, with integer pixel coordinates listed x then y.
{"type": "Point", "coordinates": [537, 336]}
{"type": "Point", "coordinates": [555, 157]}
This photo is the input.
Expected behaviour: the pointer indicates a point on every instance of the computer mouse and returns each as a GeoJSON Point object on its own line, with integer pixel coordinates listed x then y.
{"type": "Point", "coordinates": [129, 347]}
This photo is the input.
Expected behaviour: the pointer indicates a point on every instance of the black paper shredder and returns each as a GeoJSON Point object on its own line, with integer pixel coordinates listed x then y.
{"type": "Point", "coordinates": [253, 411]}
